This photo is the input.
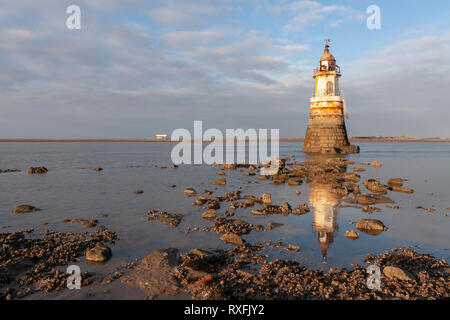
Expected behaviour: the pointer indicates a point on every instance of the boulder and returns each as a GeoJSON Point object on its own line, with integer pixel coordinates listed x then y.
{"type": "Point", "coordinates": [376, 164]}
{"type": "Point", "coordinates": [401, 189]}
{"type": "Point", "coordinates": [375, 186]}
{"type": "Point", "coordinates": [397, 182]}
{"type": "Point", "coordinates": [397, 273]}
{"type": "Point", "coordinates": [350, 176]}
{"type": "Point", "coordinates": [201, 253]}
{"type": "Point", "coordinates": [85, 223]}
{"type": "Point", "coordinates": [232, 238]}
{"type": "Point", "coordinates": [154, 275]}
{"type": "Point", "coordinates": [37, 170]}
{"type": "Point", "coordinates": [302, 208]}
{"type": "Point", "coordinates": [292, 247]}
{"type": "Point", "coordinates": [351, 234]}
{"type": "Point", "coordinates": [25, 208]}
{"type": "Point", "coordinates": [259, 212]}
{"type": "Point", "coordinates": [100, 253]}
{"type": "Point", "coordinates": [368, 199]}
{"type": "Point", "coordinates": [190, 192]}
{"type": "Point", "coordinates": [222, 181]}
{"type": "Point", "coordinates": [266, 198]}
{"type": "Point", "coordinates": [371, 226]}
{"type": "Point", "coordinates": [294, 182]}
{"type": "Point", "coordinates": [273, 225]}
{"type": "Point", "coordinates": [209, 214]}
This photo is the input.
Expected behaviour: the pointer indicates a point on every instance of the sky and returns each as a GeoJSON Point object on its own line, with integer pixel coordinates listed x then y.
{"type": "Point", "coordinates": [137, 68]}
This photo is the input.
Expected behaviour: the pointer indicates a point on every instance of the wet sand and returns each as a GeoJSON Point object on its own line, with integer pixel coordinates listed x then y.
{"type": "Point", "coordinates": [33, 262]}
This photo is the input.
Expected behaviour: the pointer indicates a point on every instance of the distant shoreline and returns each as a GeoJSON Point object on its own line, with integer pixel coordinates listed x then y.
{"type": "Point", "coordinates": [170, 141]}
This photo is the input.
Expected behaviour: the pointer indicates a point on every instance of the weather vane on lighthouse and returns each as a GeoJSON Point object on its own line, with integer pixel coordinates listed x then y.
{"type": "Point", "coordinates": [326, 131]}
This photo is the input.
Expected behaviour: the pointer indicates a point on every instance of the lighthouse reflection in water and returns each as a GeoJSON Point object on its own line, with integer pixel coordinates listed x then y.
{"type": "Point", "coordinates": [325, 202]}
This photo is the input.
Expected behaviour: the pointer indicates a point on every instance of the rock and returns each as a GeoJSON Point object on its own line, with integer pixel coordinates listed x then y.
{"type": "Point", "coordinates": [25, 208]}
{"type": "Point", "coordinates": [258, 212]}
{"type": "Point", "coordinates": [351, 234]}
{"type": "Point", "coordinates": [222, 181]}
{"type": "Point", "coordinates": [154, 275]}
{"type": "Point", "coordinates": [97, 169]}
{"type": "Point", "coordinates": [368, 199]}
{"type": "Point", "coordinates": [397, 273]}
{"type": "Point", "coordinates": [358, 169]}
{"type": "Point", "coordinates": [375, 186]}
{"type": "Point", "coordinates": [171, 219]}
{"type": "Point", "coordinates": [100, 253]}
{"type": "Point", "coordinates": [138, 192]}
{"type": "Point", "coordinates": [302, 208]}
{"type": "Point", "coordinates": [286, 208]}
{"type": "Point", "coordinates": [292, 247]}
{"type": "Point", "coordinates": [273, 225]}
{"type": "Point", "coordinates": [229, 213]}
{"type": "Point", "coordinates": [266, 198]}
{"type": "Point", "coordinates": [39, 170]}
{"type": "Point", "coordinates": [190, 192]}
{"type": "Point", "coordinates": [371, 226]}
{"type": "Point", "coordinates": [85, 223]}
{"type": "Point", "coordinates": [370, 209]}
{"type": "Point", "coordinates": [174, 166]}
{"type": "Point", "coordinates": [245, 274]}
{"type": "Point", "coordinates": [400, 189]}
{"type": "Point", "coordinates": [350, 176]}
{"type": "Point", "coordinates": [376, 164]}
{"type": "Point", "coordinates": [353, 188]}
{"type": "Point", "coordinates": [294, 182]}
{"type": "Point", "coordinates": [232, 238]}
{"type": "Point", "coordinates": [397, 182]}
{"type": "Point", "coordinates": [209, 214]}
{"type": "Point", "coordinates": [279, 179]}
{"type": "Point", "coordinates": [298, 192]}
{"type": "Point", "coordinates": [229, 166]}
{"type": "Point", "coordinates": [9, 170]}
{"type": "Point", "coordinates": [201, 253]}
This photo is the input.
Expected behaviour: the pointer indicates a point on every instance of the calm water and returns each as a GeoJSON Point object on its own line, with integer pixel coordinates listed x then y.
{"type": "Point", "coordinates": [68, 191]}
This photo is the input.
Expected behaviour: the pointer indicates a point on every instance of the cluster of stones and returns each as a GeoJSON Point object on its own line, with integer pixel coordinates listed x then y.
{"type": "Point", "coordinates": [30, 262]}
{"type": "Point", "coordinates": [229, 274]}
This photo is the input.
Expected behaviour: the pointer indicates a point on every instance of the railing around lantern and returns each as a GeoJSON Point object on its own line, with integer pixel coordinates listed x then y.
{"type": "Point", "coordinates": [325, 68]}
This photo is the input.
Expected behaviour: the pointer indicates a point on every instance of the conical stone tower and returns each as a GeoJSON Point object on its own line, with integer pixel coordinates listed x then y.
{"type": "Point", "coordinates": [326, 131]}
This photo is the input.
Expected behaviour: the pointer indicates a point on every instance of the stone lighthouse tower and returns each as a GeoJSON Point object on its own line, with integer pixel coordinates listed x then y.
{"type": "Point", "coordinates": [326, 131]}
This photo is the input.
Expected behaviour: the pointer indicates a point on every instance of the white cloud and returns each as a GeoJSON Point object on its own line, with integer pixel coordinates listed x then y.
{"type": "Point", "coordinates": [119, 77]}
{"type": "Point", "coordinates": [307, 13]}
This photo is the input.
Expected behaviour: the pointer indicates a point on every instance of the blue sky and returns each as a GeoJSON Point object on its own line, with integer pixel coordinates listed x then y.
{"type": "Point", "coordinates": [137, 68]}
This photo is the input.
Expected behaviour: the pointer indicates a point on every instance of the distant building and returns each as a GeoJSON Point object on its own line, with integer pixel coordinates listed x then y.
{"type": "Point", "coordinates": [161, 136]}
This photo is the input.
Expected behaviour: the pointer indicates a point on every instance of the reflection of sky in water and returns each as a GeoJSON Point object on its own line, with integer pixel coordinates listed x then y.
{"type": "Point", "coordinates": [69, 192]}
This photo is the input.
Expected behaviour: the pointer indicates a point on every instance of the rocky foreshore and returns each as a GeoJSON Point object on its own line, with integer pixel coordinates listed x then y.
{"type": "Point", "coordinates": [32, 262]}
{"type": "Point", "coordinates": [29, 263]}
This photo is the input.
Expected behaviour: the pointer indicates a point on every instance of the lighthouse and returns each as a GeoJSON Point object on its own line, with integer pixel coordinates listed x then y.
{"type": "Point", "coordinates": [326, 131]}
